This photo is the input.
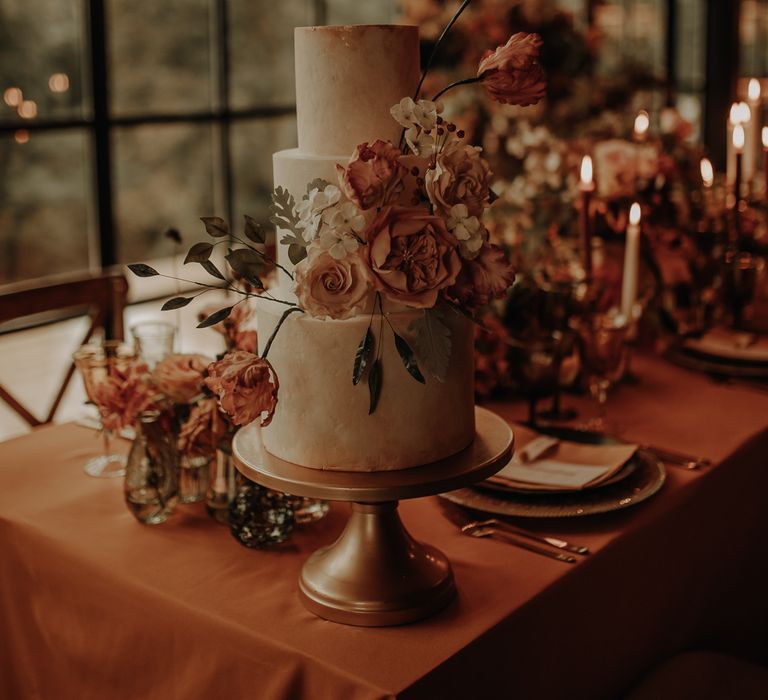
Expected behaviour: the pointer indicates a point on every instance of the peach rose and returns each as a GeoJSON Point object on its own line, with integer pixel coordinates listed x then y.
{"type": "Point", "coordinates": [374, 176]}
{"type": "Point", "coordinates": [512, 74]}
{"type": "Point", "coordinates": [411, 255]}
{"type": "Point", "coordinates": [329, 287]}
{"type": "Point", "coordinates": [180, 377]}
{"type": "Point", "coordinates": [246, 386]}
{"type": "Point", "coordinates": [123, 394]}
{"type": "Point", "coordinates": [203, 430]}
{"type": "Point", "coordinates": [486, 277]}
{"type": "Point", "coordinates": [460, 176]}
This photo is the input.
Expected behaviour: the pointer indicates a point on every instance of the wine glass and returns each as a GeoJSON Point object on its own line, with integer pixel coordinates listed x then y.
{"type": "Point", "coordinates": [153, 340]}
{"type": "Point", "coordinates": [96, 362]}
{"type": "Point", "coordinates": [535, 366]}
{"type": "Point", "coordinates": [602, 337]}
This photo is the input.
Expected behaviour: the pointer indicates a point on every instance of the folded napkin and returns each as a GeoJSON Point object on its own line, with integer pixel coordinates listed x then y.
{"type": "Point", "coordinates": [731, 344]}
{"type": "Point", "coordinates": [544, 463]}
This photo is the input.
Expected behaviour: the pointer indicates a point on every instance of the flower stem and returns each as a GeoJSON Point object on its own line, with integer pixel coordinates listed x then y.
{"type": "Point", "coordinates": [287, 313]}
{"type": "Point", "coordinates": [466, 81]}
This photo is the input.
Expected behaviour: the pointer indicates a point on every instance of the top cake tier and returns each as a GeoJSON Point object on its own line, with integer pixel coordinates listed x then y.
{"type": "Point", "coordinates": [347, 78]}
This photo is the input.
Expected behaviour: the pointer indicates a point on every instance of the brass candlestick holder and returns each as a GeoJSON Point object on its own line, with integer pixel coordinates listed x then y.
{"type": "Point", "coordinates": [376, 574]}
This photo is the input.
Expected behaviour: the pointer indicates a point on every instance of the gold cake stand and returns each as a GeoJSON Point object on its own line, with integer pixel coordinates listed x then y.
{"type": "Point", "coordinates": [376, 574]}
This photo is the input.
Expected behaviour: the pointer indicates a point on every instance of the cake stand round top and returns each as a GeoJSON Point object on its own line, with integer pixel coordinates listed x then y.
{"type": "Point", "coordinates": [489, 452]}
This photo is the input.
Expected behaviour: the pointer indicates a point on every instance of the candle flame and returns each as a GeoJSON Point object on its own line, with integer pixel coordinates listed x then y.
{"type": "Point", "coordinates": [753, 90]}
{"type": "Point", "coordinates": [27, 109]}
{"type": "Point", "coordinates": [642, 123]}
{"type": "Point", "coordinates": [738, 137]}
{"type": "Point", "coordinates": [634, 214]}
{"type": "Point", "coordinates": [586, 170]}
{"type": "Point", "coordinates": [12, 96]}
{"type": "Point", "coordinates": [707, 172]}
{"type": "Point", "coordinates": [765, 136]}
{"type": "Point", "coordinates": [740, 113]}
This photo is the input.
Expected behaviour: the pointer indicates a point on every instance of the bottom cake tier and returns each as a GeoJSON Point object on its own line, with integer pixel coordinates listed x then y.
{"type": "Point", "coordinates": [322, 420]}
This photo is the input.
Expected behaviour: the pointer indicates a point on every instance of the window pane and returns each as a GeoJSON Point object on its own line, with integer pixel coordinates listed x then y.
{"type": "Point", "coordinates": [253, 143]}
{"type": "Point", "coordinates": [164, 177]}
{"type": "Point", "coordinates": [160, 56]}
{"type": "Point", "coordinates": [45, 218]}
{"type": "Point", "coordinates": [356, 12]}
{"type": "Point", "coordinates": [41, 49]}
{"type": "Point", "coordinates": [261, 51]}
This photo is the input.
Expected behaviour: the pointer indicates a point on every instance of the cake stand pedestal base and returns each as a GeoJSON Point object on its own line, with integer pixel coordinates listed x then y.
{"type": "Point", "coordinates": [376, 574]}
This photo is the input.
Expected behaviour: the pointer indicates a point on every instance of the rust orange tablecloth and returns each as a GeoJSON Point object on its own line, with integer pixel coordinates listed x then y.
{"type": "Point", "coordinates": [95, 605]}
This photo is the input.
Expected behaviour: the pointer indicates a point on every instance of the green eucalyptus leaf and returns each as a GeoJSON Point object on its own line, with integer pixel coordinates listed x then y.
{"type": "Point", "coordinates": [142, 270]}
{"type": "Point", "coordinates": [374, 385]}
{"type": "Point", "coordinates": [215, 226]}
{"type": "Point", "coordinates": [176, 303]}
{"type": "Point", "coordinates": [254, 231]}
{"type": "Point", "coordinates": [215, 317]}
{"type": "Point", "coordinates": [248, 264]}
{"type": "Point", "coordinates": [200, 252]}
{"type": "Point", "coordinates": [362, 356]}
{"type": "Point", "coordinates": [408, 358]}
{"type": "Point", "coordinates": [433, 343]}
{"type": "Point", "coordinates": [297, 253]}
{"type": "Point", "coordinates": [212, 270]}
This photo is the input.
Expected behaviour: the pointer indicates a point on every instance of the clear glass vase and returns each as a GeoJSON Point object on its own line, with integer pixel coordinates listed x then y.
{"type": "Point", "coordinates": [193, 478]}
{"type": "Point", "coordinates": [222, 486]}
{"type": "Point", "coordinates": [151, 476]}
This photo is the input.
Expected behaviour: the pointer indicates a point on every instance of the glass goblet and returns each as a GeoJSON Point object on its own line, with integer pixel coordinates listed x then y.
{"type": "Point", "coordinates": [602, 337]}
{"type": "Point", "coordinates": [153, 340]}
{"type": "Point", "coordinates": [535, 366]}
{"type": "Point", "coordinates": [96, 363]}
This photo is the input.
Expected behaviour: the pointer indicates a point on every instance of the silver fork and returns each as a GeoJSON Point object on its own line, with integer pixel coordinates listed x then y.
{"type": "Point", "coordinates": [515, 530]}
{"type": "Point", "coordinates": [523, 544]}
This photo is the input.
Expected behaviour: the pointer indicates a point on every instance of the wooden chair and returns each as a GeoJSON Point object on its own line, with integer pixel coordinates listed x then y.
{"type": "Point", "coordinates": [101, 298]}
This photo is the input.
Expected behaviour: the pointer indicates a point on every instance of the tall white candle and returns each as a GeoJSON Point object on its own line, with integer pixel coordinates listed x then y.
{"type": "Point", "coordinates": [752, 127]}
{"type": "Point", "coordinates": [587, 187]}
{"type": "Point", "coordinates": [631, 263]}
{"type": "Point", "coordinates": [739, 114]}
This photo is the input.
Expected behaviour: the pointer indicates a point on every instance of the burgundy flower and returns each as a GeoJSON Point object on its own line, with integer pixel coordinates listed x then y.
{"type": "Point", "coordinates": [411, 255]}
{"type": "Point", "coordinates": [512, 74]}
{"type": "Point", "coordinates": [482, 279]}
{"type": "Point", "coordinates": [246, 386]}
{"type": "Point", "coordinates": [123, 394]}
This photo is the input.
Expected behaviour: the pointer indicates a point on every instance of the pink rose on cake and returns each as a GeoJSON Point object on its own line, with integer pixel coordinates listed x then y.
{"type": "Point", "coordinates": [203, 430]}
{"type": "Point", "coordinates": [482, 279]}
{"type": "Point", "coordinates": [512, 73]}
{"type": "Point", "coordinates": [180, 377]}
{"type": "Point", "coordinates": [374, 176]}
{"type": "Point", "coordinates": [246, 386]}
{"type": "Point", "coordinates": [460, 175]}
{"type": "Point", "coordinates": [331, 287]}
{"type": "Point", "coordinates": [411, 255]}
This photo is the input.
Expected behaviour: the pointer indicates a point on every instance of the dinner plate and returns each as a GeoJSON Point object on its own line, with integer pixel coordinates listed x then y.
{"type": "Point", "coordinates": [645, 481]}
{"type": "Point", "coordinates": [725, 345]}
{"type": "Point", "coordinates": [721, 366]}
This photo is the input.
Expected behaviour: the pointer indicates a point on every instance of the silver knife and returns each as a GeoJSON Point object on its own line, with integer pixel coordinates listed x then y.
{"type": "Point", "coordinates": [546, 539]}
{"type": "Point", "coordinates": [506, 537]}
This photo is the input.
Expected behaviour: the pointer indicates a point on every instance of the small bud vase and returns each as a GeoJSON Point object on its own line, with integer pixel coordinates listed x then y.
{"type": "Point", "coordinates": [151, 482]}
{"type": "Point", "coordinates": [193, 477]}
{"type": "Point", "coordinates": [222, 486]}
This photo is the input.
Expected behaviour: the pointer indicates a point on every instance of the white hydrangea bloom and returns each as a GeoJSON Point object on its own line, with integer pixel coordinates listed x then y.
{"type": "Point", "coordinates": [419, 119]}
{"type": "Point", "coordinates": [310, 210]}
{"type": "Point", "coordinates": [467, 229]}
{"type": "Point", "coordinates": [341, 225]}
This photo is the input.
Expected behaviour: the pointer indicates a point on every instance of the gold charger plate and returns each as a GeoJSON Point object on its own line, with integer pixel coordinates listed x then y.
{"type": "Point", "coordinates": [645, 481]}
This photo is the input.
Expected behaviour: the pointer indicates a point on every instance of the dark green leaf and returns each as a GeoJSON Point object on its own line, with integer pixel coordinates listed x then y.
{"type": "Point", "coordinates": [317, 184]}
{"type": "Point", "coordinates": [212, 270]}
{"type": "Point", "coordinates": [362, 356]}
{"type": "Point", "coordinates": [175, 303]}
{"type": "Point", "coordinates": [433, 343]}
{"type": "Point", "coordinates": [374, 385]}
{"type": "Point", "coordinates": [254, 231]}
{"type": "Point", "coordinates": [296, 253]}
{"type": "Point", "coordinates": [247, 264]}
{"type": "Point", "coordinates": [215, 226]}
{"type": "Point", "coordinates": [215, 317]}
{"type": "Point", "coordinates": [408, 358]}
{"type": "Point", "coordinates": [200, 252]}
{"type": "Point", "coordinates": [285, 315]}
{"type": "Point", "coordinates": [142, 270]}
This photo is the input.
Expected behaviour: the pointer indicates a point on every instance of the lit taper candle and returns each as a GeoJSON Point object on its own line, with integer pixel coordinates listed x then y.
{"type": "Point", "coordinates": [631, 263]}
{"type": "Point", "coordinates": [587, 187]}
